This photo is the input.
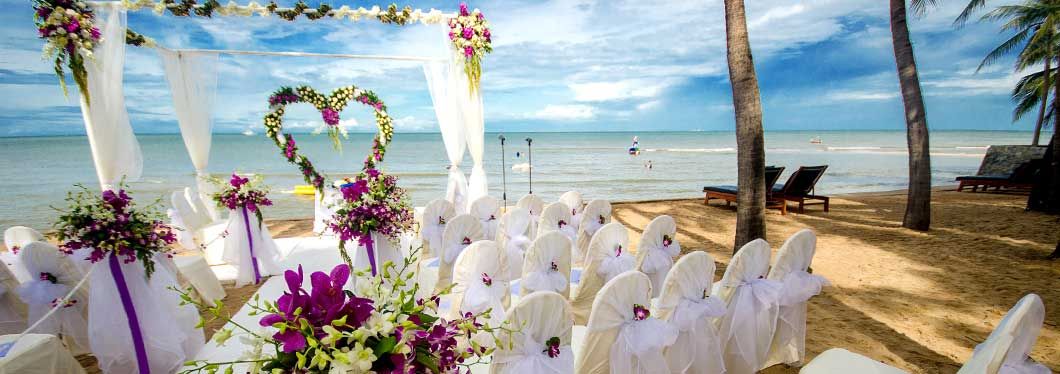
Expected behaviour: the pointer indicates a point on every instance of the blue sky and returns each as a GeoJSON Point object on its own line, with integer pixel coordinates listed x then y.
{"type": "Point", "coordinates": [561, 65]}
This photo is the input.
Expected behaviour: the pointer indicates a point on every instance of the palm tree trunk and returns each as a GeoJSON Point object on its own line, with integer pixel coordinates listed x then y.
{"type": "Point", "coordinates": [918, 204]}
{"type": "Point", "coordinates": [1045, 103]}
{"type": "Point", "coordinates": [1045, 195]}
{"type": "Point", "coordinates": [750, 151]}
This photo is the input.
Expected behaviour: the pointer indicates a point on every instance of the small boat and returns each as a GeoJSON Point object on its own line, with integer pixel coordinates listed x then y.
{"type": "Point", "coordinates": [634, 149]}
{"type": "Point", "coordinates": [816, 140]}
{"type": "Point", "coordinates": [305, 189]}
{"type": "Point", "coordinates": [522, 168]}
{"type": "Point", "coordinates": [248, 132]}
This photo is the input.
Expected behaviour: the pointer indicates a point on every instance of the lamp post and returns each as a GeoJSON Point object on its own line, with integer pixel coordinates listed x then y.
{"type": "Point", "coordinates": [530, 161]}
{"type": "Point", "coordinates": [504, 174]}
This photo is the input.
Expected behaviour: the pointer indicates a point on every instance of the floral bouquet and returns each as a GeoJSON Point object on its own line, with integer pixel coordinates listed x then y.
{"type": "Point", "coordinates": [242, 193]}
{"type": "Point", "coordinates": [111, 225]}
{"type": "Point", "coordinates": [470, 33]}
{"type": "Point", "coordinates": [371, 202]}
{"type": "Point", "coordinates": [67, 25]}
{"type": "Point", "coordinates": [381, 328]}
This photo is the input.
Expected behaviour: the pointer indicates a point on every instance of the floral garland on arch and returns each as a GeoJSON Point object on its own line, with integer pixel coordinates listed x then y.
{"type": "Point", "coordinates": [470, 34]}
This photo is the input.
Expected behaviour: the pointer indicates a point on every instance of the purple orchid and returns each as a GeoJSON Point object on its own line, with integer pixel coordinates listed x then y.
{"type": "Point", "coordinates": [640, 313]}
{"type": "Point", "coordinates": [331, 117]}
{"type": "Point", "coordinates": [618, 250]}
{"type": "Point", "coordinates": [554, 267]}
{"type": "Point", "coordinates": [326, 303]}
{"type": "Point", "coordinates": [486, 280]}
{"type": "Point", "coordinates": [466, 241]}
{"type": "Point", "coordinates": [468, 33]}
{"type": "Point", "coordinates": [238, 181]}
{"type": "Point", "coordinates": [552, 347]}
{"type": "Point", "coordinates": [463, 9]}
{"type": "Point", "coordinates": [667, 241]}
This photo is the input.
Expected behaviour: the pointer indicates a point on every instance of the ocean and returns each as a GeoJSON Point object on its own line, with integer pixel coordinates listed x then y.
{"type": "Point", "coordinates": [39, 170]}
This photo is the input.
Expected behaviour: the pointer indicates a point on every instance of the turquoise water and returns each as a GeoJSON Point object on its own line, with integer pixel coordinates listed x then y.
{"type": "Point", "coordinates": [40, 170]}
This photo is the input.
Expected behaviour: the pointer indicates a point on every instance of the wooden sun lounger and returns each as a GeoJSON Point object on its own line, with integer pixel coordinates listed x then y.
{"type": "Point", "coordinates": [728, 193]}
{"type": "Point", "coordinates": [1005, 167]}
{"type": "Point", "coordinates": [800, 188]}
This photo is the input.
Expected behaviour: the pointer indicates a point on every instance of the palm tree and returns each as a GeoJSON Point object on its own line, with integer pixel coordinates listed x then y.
{"type": "Point", "coordinates": [1032, 91]}
{"type": "Point", "coordinates": [918, 202]}
{"type": "Point", "coordinates": [750, 147]}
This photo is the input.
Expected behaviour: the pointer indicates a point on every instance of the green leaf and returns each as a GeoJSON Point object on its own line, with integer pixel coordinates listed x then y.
{"type": "Point", "coordinates": [386, 345]}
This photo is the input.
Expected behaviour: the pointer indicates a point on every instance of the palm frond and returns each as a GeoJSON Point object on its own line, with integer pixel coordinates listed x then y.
{"type": "Point", "coordinates": [920, 6]}
{"type": "Point", "coordinates": [972, 6]}
{"type": "Point", "coordinates": [1006, 47]}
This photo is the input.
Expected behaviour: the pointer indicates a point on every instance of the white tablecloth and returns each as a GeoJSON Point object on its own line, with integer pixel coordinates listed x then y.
{"type": "Point", "coordinates": [37, 354]}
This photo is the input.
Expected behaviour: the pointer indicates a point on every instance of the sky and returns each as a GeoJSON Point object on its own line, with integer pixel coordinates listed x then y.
{"type": "Point", "coordinates": [559, 65]}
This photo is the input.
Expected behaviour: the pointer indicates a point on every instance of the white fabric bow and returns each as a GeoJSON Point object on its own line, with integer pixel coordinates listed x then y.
{"type": "Point", "coordinates": [692, 317]}
{"type": "Point", "coordinates": [639, 346]}
{"type": "Point", "coordinates": [531, 357]}
{"type": "Point", "coordinates": [453, 251]}
{"type": "Point", "coordinates": [479, 297]}
{"type": "Point", "coordinates": [612, 265]}
{"type": "Point", "coordinates": [591, 226]}
{"type": "Point", "coordinates": [575, 218]}
{"type": "Point", "coordinates": [569, 231]}
{"type": "Point", "coordinates": [799, 286]}
{"type": "Point", "coordinates": [432, 232]}
{"type": "Point", "coordinates": [544, 280]}
{"type": "Point", "coordinates": [660, 259]}
{"type": "Point", "coordinates": [1027, 366]}
{"type": "Point", "coordinates": [690, 312]}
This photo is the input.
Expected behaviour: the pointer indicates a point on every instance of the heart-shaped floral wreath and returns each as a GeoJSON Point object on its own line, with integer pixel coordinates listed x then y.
{"type": "Point", "coordinates": [329, 107]}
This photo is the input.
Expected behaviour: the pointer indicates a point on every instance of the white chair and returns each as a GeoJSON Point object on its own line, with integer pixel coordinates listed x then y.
{"type": "Point", "coordinates": [537, 318]}
{"type": "Point", "coordinates": [686, 304]}
{"type": "Point", "coordinates": [192, 221]}
{"type": "Point", "coordinates": [12, 309]}
{"type": "Point", "coordinates": [432, 225]}
{"type": "Point", "coordinates": [249, 247]}
{"type": "Point", "coordinates": [194, 270]}
{"type": "Point", "coordinates": [1003, 352]}
{"type": "Point", "coordinates": [480, 282]}
{"type": "Point", "coordinates": [573, 199]}
{"type": "Point", "coordinates": [204, 213]}
{"type": "Point", "coordinates": [487, 209]}
{"type": "Point", "coordinates": [38, 354]}
{"type": "Point", "coordinates": [657, 250]}
{"type": "Point", "coordinates": [556, 217]}
{"type": "Point", "coordinates": [324, 208]}
{"type": "Point", "coordinates": [798, 286]}
{"type": "Point", "coordinates": [205, 234]}
{"type": "Point", "coordinates": [185, 238]}
{"type": "Point", "coordinates": [597, 213]}
{"type": "Point", "coordinates": [511, 235]}
{"type": "Point", "coordinates": [746, 330]}
{"type": "Point", "coordinates": [48, 290]}
{"type": "Point", "coordinates": [617, 339]}
{"type": "Point", "coordinates": [15, 238]}
{"type": "Point", "coordinates": [534, 205]}
{"type": "Point", "coordinates": [547, 265]}
{"type": "Point", "coordinates": [608, 256]}
{"type": "Point", "coordinates": [459, 233]}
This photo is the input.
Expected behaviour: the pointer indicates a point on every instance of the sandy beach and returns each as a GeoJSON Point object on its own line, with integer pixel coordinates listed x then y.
{"type": "Point", "coordinates": [917, 301]}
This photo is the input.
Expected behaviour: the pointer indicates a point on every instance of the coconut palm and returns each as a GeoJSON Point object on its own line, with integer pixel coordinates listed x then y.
{"type": "Point", "coordinates": [918, 202]}
{"type": "Point", "coordinates": [1032, 91]}
{"type": "Point", "coordinates": [750, 151]}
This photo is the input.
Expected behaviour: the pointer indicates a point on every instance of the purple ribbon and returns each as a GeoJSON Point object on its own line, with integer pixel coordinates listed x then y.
{"type": "Point", "coordinates": [250, 237]}
{"type": "Point", "coordinates": [370, 247]}
{"type": "Point", "coordinates": [130, 315]}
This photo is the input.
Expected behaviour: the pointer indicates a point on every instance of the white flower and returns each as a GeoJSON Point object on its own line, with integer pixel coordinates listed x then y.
{"type": "Point", "coordinates": [71, 12]}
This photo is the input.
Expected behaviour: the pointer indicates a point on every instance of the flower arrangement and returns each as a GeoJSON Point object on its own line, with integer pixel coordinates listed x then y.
{"type": "Point", "coordinates": [240, 192]}
{"type": "Point", "coordinates": [110, 224]}
{"type": "Point", "coordinates": [68, 26]}
{"type": "Point", "coordinates": [372, 202]}
{"type": "Point", "coordinates": [329, 106]}
{"type": "Point", "coordinates": [382, 327]}
{"type": "Point", "coordinates": [470, 34]}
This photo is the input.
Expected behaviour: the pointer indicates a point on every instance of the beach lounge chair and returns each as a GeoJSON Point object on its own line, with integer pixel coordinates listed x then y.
{"type": "Point", "coordinates": [728, 193]}
{"type": "Point", "coordinates": [799, 188]}
{"type": "Point", "coordinates": [1005, 166]}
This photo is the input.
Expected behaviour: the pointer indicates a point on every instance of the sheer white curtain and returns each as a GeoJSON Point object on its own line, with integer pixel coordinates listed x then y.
{"type": "Point", "coordinates": [192, 80]}
{"type": "Point", "coordinates": [470, 104]}
{"type": "Point", "coordinates": [115, 150]}
{"type": "Point", "coordinates": [442, 86]}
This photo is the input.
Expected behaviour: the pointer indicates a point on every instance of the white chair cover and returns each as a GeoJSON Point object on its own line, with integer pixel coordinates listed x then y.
{"type": "Point", "coordinates": [534, 205]}
{"type": "Point", "coordinates": [238, 247]}
{"type": "Point", "coordinates": [608, 257]}
{"type": "Point", "coordinates": [12, 309]}
{"type": "Point", "coordinates": [185, 238]}
{"type": "Point", "coordinates": [539, 274]}
{"type": "Point", "coordinates": [536, 319]}
{"type": "Point", "coordinates": [40, 295]}
{"type": "Point", "coordinates": [471, 292]}
{"type": "Point", "coordinates": [192, 267]}
{"type": "Point", "coordinates": [596, 214]}
{"type": "Point", "coordinates": [556, 217]}
{"type": "Point", "coordinates": [573, 199]}
{"type": "Point", "coordinates": [168, 328]}
{"type": "Point", "coordinates": [686, 304]}
{"type": "Point", "coordinates": [385, 248]}
{"type": "Point", "coordinates": [793, 259]}
{"type": "Point", "coordinates": [657, 250]}
{"type": "Point", "coordinates": [841, 361]}
{"type": "Point", "coordinates": [192, 221]}
{"type": "Point", "coordinates": [324, 208]}
{"type": "Point", "coordinates": [511, 236]}
{"type": "Point", "coordinates": [432, 225]}
{"type": "Point", "coordinates": [198, 206]}
{"type": "Point", "coordinates": [15, 238]}
{"type": "Point", "coordinates": [488, 210]}
{"type": "Point", "coordinates": [615, 342]}
{"type": "Point", "coordinates": [746, 330]}
{"type": "Point", "coordinates": [461, 227]}
{"type": "Point", "coordinates": [38, 354]}
{"type": "Point", "coordinates": [1005, 350]}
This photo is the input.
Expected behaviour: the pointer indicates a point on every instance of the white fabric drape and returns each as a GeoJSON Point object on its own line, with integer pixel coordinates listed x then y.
{"type": "Point", "coordinates": [471, 112]}
{"type": "Point", "coordinates": [547, 265]}
{"type": "Point", "coordinates": [573, 199]}
{"type": "Point", "coordinates": [15, 238]}
{"type": "Point", "coordinates": [615, 342]}
{"type": "Point", "coordinates": [12, 309]}
{"type": "Point", "coordinates": [192, 78]}
{"type": "Point", "coordinates": [385, 248]}
{"type": "Point", "coordinates": [604, 261]}
{"type": "Point", "coordinates": [746, 330]}
{"type": "Point", "coordinates": [798, 286]}
{"type": "Point", "coordinates": [115, 151]}
{"type": "Point", "coordinates": [540, 317]}
{"type": "Point", "coordinates": [512, 237]}
{"type": "Point", "coordinates": [685, 303]}
{"type": "Point", "coordinates": [38, 354]}
{"type": "Point", "coordinates": [169, 332]}
{"type": "Point", "coordinates": [238, 247]}
{"type": "Point", "coordinates": [480, 278]}
{"type": "Point", "coordinates": [444, 89]}
{"type": "Point", "coordinates": [432, 225]}
{"type": "Point", "coordinates": [1005, 350]}
{"type": "Point", "coordinates": [597, 213]}
{"type": "Point", "coordinates": [655, 254]}
{"type": "Point", "coordinates": [40, 295]}
{"type": "Point", "coordinates": [487, 209]}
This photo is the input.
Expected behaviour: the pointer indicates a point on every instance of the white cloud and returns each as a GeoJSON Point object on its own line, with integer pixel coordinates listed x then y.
{"type": "Point", "coordinates": [413, 123]}
{"type": "Point", "coordinates": [554, 112]}
{"type": "Point", "coordinates": [648, 105]}
{"type": "Point", "coordinates": [860, 95]}
{"type": "Point", "coordinates": [619, 90]}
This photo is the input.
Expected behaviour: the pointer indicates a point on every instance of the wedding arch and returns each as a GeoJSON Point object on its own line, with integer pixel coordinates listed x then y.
{"type": "Point", "coordinates": [97, 66]}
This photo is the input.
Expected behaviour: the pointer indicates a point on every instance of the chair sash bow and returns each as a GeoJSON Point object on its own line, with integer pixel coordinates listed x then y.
{"type": "Point", "coordinates": [639, 346]}
{"type": "Point", "coordinates": [660, 259]}
{"type": "Point", "coordinates": [799, 286]}
{"type": "Point", "coordinates": [432, 233]}
{"type": "Point", "coordinates": [453, 251]}
{"type": "Point", "coordinates": [545, 280]}
{"type": "Point", "coordinates": [531, 357]}
{"type": "Point", "coordinates": [614, 264]}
